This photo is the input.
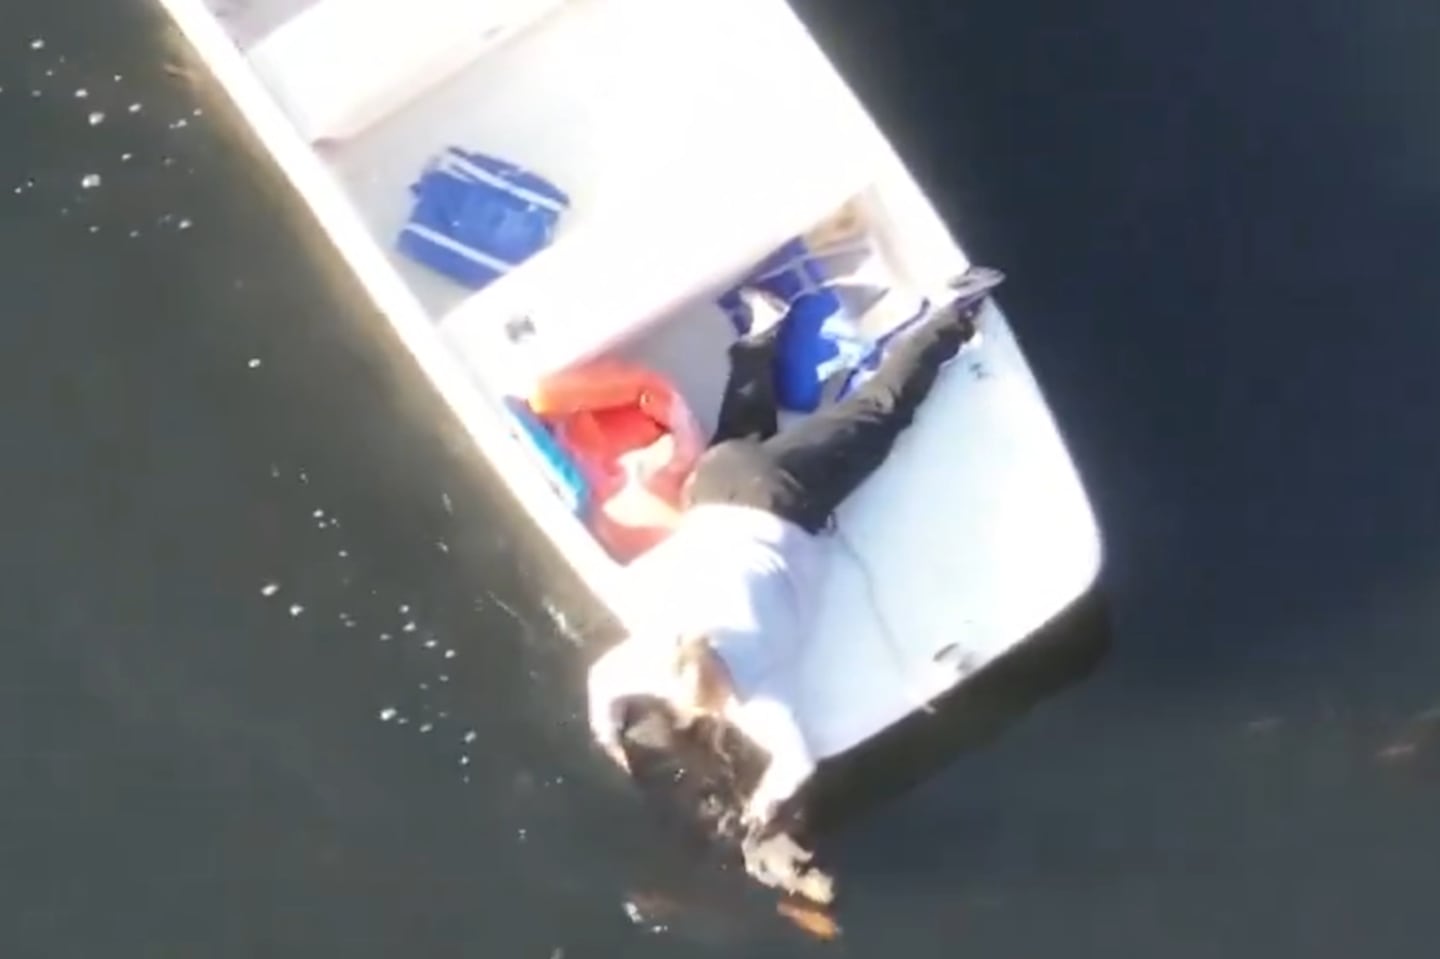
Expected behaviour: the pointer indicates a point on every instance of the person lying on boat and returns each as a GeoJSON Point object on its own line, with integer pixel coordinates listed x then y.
{"type": "Point", "coordinates": [736, 583]}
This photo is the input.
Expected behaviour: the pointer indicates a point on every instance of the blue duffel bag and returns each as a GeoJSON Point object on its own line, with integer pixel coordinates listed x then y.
{"type": "Point", "coordinates": [476, 217]}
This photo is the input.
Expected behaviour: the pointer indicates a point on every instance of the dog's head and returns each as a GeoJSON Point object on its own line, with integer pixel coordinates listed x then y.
{"type": "Point", "coordinates": [699, 775]}
{"type": "Point", "coordinates": [699, 772]}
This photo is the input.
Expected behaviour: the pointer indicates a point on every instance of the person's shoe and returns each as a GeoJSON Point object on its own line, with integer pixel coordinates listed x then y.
{"type": "Point", "coordinates": [766, 311]}
{"type": "Point", "coordinates": [967, 294]}
{"type": "Point", "coordinates": [972, 286]}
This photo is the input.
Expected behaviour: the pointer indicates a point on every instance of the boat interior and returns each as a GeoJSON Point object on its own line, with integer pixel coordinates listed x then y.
{"type": "Point", "coordinates": [682, 172]}
{"type": "Point", "coordinates": [690, 141]}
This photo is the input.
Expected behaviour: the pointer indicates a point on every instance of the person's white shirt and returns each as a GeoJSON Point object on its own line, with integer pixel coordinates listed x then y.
{"type": "Point", "coordinates": [748, 581]}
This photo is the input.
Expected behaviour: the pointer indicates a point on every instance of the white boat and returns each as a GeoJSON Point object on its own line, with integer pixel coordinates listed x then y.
{"type": "Point", "coordinates": [693, 137]}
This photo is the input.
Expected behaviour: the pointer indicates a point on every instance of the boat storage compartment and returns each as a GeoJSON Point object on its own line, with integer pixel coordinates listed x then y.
{"type": "Point", "coordinates": [689, 343]}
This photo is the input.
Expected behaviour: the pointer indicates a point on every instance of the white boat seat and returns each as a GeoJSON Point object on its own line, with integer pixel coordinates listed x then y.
{"type": "Point", "coordinates": [340, 66]}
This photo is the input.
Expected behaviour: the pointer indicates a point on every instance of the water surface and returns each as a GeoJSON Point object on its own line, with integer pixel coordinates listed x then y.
{"type": "Point", "coordinates": [1218, 224]}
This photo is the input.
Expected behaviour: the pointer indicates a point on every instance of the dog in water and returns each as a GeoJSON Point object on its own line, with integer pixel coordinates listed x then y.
{"type": "Point", "coordinates": [704, 772]}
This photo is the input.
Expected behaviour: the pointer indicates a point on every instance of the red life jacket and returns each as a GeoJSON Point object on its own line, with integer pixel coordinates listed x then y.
{"type": "Point", "coordinates": [635, 440]}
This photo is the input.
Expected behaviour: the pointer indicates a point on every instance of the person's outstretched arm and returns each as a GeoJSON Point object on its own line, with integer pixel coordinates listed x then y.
{"type": "Point", "coordinates": [770, 722]}
{"type": "Point", "coordinates": [629, 668]}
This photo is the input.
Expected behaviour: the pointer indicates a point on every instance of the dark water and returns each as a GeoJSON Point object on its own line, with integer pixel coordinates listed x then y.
{"type": "Point", "coordinates": [1219, 220]}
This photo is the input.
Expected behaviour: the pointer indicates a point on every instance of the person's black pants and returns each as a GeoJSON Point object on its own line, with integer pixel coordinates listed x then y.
{"type": "Point", "coordinates": [803, 473]}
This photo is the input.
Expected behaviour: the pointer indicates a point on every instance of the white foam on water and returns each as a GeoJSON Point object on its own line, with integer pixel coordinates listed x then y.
{"type": "Point", "coordinates": [445, 501]}
{"type": "Point", "coordinates": [560, 620]}
{"type": "Point", "coordinates": [442, 545]}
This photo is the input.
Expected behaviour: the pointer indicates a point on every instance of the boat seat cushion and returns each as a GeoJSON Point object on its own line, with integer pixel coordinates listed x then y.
{"type": "Point", "coordinates": [341, 65]}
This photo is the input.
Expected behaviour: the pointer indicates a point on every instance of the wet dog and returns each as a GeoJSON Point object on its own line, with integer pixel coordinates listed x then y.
{"type": "Point", "coordinates": [701, 774]}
